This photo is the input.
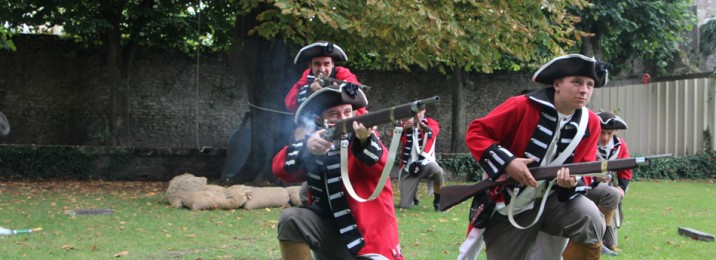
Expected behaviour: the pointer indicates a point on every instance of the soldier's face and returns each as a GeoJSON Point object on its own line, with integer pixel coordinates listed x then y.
{"type": "Point", "coordinates": [322, 65]}
{"type": "Point", "coordinates": [605, 136]}
{"type": "Point", "coordinates": [572, 93]}
{"type": "Point", "coordinates": [338, 112]}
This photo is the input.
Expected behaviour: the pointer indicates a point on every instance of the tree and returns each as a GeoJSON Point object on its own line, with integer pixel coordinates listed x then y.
{"type": "Point", "coordinates": [631, 29]}
{"type": "Point", "coordinates": [120, 27]}
{"type": "Point", "coordinates": [453, 36]}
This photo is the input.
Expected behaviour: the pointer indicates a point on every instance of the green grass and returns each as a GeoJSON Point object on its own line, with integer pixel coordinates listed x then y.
{"type": "Point", "coordinates": [146, 227]}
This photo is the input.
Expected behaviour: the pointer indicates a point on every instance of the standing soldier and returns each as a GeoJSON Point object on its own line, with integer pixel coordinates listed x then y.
{"type": "Point", "coordinates": [418, 160]}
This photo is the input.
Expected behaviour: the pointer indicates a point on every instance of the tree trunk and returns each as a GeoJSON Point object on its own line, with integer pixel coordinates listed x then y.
{"type": "Point", "coordinates": [591, 46]}
{"type": "Point", "coordinates": [269, 74]}
{"type": "Point", "coordinates": [117, 94]}
{"type": "Point", "coordinates": [457, 141]}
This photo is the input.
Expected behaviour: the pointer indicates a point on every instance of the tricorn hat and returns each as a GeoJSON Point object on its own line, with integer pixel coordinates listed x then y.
{"type": "Point", "coordinates": [573, 65]}
{"type": "Point", "coordinates": [611, 121]}
{"type": "Point", "coordinates": [318, 49]}
{"type": "Point", "coordinates": [331, 96]}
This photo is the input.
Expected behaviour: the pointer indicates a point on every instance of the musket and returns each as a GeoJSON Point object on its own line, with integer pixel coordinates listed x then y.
{"type": "Point", "coordinates": [455, 194]}
{"type": "Point", "coordinates": [325, 82]}
{"type": "Point", "coordinates": [375, 118]}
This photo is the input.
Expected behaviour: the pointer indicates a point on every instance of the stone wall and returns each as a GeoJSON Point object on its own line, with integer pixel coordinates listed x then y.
{"type": "Point", "coordinates": [54, 92]}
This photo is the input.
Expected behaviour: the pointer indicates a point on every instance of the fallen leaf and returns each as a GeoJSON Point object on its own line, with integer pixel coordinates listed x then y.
{"type": "Point", "coordinates": [123, 253]}
{"type": "Point", "coordinates": [67, 247]}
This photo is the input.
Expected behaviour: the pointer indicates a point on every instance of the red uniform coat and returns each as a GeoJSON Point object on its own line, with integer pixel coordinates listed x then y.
{"type": "Point", "coordinates": [342, 73]}
{"type": "Point", "coordinates": [511, 125]}
{"type": "Point", "coordinates": [375, 219]}
{"type": "Point", "coordinates": [429, 143]}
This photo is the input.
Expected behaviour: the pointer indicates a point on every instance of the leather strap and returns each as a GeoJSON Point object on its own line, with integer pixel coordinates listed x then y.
{"type": "Point", "coordinates": [397, 132]}
{"type": "Point", "coordinates": [583, 121]}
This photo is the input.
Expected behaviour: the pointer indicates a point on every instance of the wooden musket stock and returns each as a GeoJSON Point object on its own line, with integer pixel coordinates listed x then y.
{"type": "Point", "coordinates": [455, 194]}
{"type": "Point", "coordinates": [378, 117]}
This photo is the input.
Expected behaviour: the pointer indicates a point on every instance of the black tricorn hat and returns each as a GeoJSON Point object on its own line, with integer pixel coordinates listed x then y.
{"type": "Point", "coordinates": [611, 121]}
{"type": "Point", "coordinates": [573, 65]}
{"type": "Point", "coordinates": [331, 96]}
{"type": "Point", "coordinates": [318, 49]}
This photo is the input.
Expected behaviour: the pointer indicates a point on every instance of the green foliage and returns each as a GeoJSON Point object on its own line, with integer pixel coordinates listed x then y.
{"type": "Point", "coordinates": [626, 29]}
{"type": "Point", "coordinates": [701, 166]}
{"type": "Point", "coordinates": [463, 166]}
{"type": "Point", "coordinates": [161, 24]}
{"type": "Point", "coordinates": [5, 39]}
{"type": "Point", "coordinates": [388, 35]}
{"type": "Point", "coordinates": [707, 38]}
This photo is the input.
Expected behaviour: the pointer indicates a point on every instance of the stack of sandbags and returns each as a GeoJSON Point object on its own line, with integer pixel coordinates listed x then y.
{"type": "Point", "coordinates": [181, 186]}
{"type": "Point", "coordinates": [193, 192]}
{"type": "Point", "coordinates": [216, 197]}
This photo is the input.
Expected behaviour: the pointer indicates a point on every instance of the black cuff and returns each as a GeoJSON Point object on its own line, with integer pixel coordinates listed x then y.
{"type": "Point", "coordinates": [371, 153]}
{"type": "Point", "coordinates": [495, 159]}
{"type": "Point", "coordinates": [294, 152]}
{"type": "Point", "coordinates": [303, 93]}
{"type": "Point", "coordinates": [563, 194]}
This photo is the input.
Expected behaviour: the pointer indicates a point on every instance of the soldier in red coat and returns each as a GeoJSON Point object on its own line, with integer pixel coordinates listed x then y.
{"type": "Point", "coordinates": [609, 197]}
{"type": "Point", "coordinates": [550, 126]}
{"type": "Point", "coordinates": [334, 224]}
{"type": "Point", "coordinates": [417, 160]}
{"type": "Point", "coordinates": [321, 57]}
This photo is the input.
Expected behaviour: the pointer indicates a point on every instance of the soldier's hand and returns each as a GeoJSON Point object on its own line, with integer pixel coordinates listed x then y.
{"type": "Point", "coordinates": [517, 170]}
{"type": "Point", "coordinates": [565, 180]}
{"type": "Point", "coordinates": [317, 145]}
{"type": "Point", "coordinates": [362, 133]}
{"type": "Point", "coordinates": [315, 86]}
{"type": "Point", "coordinates": [408, 124]}
{"type": "Point", "coordinates": [604, 179]}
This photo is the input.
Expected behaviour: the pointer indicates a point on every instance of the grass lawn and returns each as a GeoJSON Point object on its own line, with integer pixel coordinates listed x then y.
{"type": "Point", "coordinates": [144, 226]}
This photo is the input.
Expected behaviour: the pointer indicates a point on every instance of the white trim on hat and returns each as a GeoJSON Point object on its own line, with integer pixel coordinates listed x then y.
{"type": "Point", "coordinates": [308, 101]}
{"type": "Point", "coordinates": [546, 65]}
{"type": "Point", "coordinates": [320, 44]}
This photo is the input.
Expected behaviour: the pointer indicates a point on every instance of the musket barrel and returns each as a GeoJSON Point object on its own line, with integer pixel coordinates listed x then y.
{"type": "Point", "coordinates": [382, 116]}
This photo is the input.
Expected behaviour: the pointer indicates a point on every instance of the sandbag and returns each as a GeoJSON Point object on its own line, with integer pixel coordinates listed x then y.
{"type": "Point", "coordinates": [181, 186]}
{"type": "Point", "coordinates": [266, 197]}
{"type": "Point", "coordinates": [215, 197]}
{"type": "Point", "coordinates": [294, 195]}
{"type": "Point", "coordinates": [239, 192]}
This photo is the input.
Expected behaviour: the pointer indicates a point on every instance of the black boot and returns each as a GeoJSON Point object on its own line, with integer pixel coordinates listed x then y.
{"type": "Point", "coordinates": [436, 201]}
{"type": "Point", "coordinates": [416, 201]}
